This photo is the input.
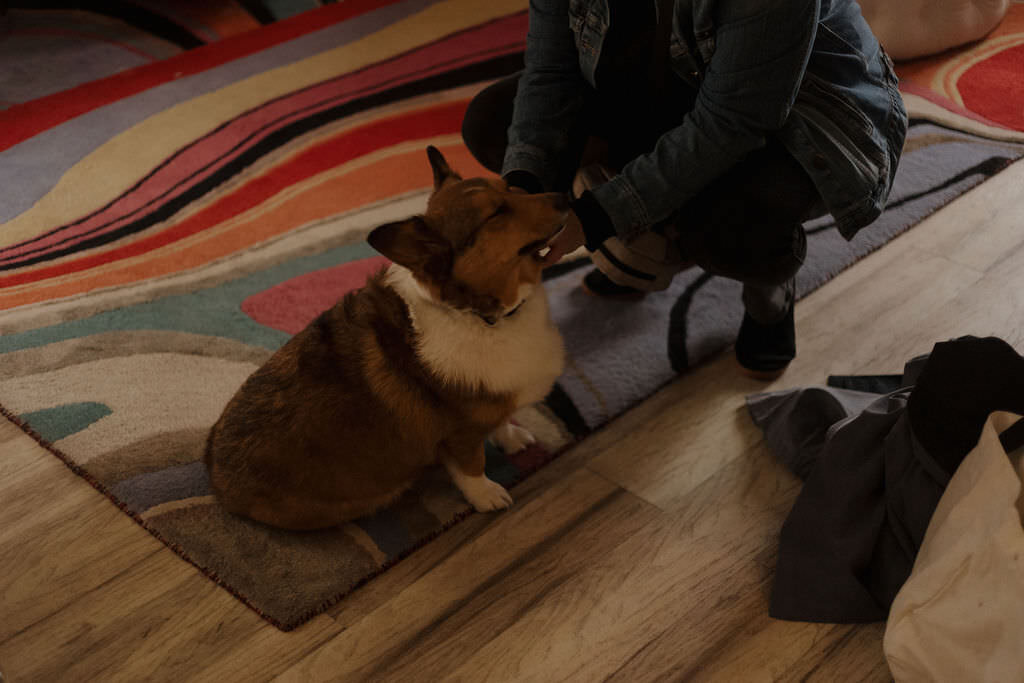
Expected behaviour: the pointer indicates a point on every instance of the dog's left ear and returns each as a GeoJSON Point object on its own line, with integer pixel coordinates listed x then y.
{"type": "Point", "coordinates": [413, 244]}
{"type": "Point", "coordinates": [442, 171]}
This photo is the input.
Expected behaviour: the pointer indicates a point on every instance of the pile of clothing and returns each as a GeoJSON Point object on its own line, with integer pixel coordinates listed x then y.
{"type": "Point", "coordinates": [911, 510]}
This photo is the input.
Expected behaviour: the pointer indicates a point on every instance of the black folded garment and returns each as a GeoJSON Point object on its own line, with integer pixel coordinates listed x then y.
{"type": "Point", "coordinates": [875, 467]}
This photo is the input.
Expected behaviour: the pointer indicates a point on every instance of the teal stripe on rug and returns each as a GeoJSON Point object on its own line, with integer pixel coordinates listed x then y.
{"type": "Point", "coordinates": [215, 311]}
{"type": "Point", "coordinates": [53, 424]}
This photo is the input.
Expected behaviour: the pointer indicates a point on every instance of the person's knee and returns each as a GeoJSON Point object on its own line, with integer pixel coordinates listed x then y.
{"type": "Point", "coordinates": [485, 124]}
{"type": "Point", "coordinates": [475, 122]}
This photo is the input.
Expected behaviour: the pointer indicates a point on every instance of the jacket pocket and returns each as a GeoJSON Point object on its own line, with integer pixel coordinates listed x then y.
{"type": "Point", "coordinates": [816, 93]}
{"type": "Point", "coordinates": [829, 37]}
{"type": "Point", "coordinates": [845, 139]}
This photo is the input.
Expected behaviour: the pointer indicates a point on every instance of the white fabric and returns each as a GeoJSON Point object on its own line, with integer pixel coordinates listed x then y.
{"type": "Point", "coordinates": [960, 615]}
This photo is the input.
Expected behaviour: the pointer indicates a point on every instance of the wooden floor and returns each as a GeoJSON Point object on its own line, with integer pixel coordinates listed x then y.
{"type": "Point", "coordinates": [646, 553]}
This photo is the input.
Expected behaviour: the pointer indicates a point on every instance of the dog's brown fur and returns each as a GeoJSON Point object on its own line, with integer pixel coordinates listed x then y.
{"type": "Point", "coordinates": [344, 417]}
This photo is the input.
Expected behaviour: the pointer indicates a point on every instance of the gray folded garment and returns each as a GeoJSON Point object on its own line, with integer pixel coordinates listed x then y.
{"type": "Point", "coordinates": [871, 483]}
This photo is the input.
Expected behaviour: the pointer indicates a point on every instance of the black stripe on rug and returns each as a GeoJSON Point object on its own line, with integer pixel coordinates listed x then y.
{"type": "Point", "coordinates": [258, 11]}
{"type": "Point", "coordinates": [985, 168]}
{"type": "Point", "coordinates": [561, 405]}
{"type": "Point", "coordinates": [483, 63]}
{"type": "Point", "coordinates": [492, 68]}
{"type": "Point", "coordinates": [677, 333]}
{"type": "Point", "coordinates": [128, 12]}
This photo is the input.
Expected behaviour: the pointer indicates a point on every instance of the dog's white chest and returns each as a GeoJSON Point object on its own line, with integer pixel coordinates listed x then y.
{"type": "Point", "coordinates": [521, 355]}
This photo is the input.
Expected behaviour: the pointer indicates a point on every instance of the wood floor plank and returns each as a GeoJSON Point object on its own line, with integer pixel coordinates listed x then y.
{"type": "Point", "coordinates": [678, 590]}
{"type": "Point", "coordinates": [1010, 267]}
{"type": "Point", "coordinates": [161, 620]}
{"type": "Point", "coordinates": [993, 222]}
{"type": "Point", "coordinates": [785, 651]}
{"type": "Point", "coordinates": [692, 427]}
{"type": "Point", "coordinates": [59, 537]}
{"type": "Point", "coordinates": [767, 650]}
{"type": "Point", "coordinates": [382, 588]}
{"type": "Point", "coordinates": [749, 498]}
{"type": "Point", "coordinates": [994, 305]}
{"type": "Point", "coordinates": [16, 455]}
{"type": "Point", "coordinates": [484, 587]}
{"type": "Point", "coordinates": [876, 319]}
{"type": "Point", "coordinates": [689, 429]}
{"type": "Point", "coordinates": [853, 658]}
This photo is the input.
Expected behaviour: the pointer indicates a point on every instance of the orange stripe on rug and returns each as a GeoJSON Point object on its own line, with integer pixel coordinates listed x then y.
{"type": "Point", "coordinates": [389, 177]}
{"type": "Point", "coordinates": [429, 122]}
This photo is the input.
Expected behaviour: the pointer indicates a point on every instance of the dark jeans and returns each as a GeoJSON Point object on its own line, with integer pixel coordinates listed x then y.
{"type": "Point", "coordinates": [745, 225]}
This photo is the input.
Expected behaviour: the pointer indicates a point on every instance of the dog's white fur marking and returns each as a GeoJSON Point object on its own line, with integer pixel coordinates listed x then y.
{"type": "Point", "coordinates": [520, 355]}
{"type": "Point", "coordinates": [482, 493]}
{"type": "Point", "coordinates": [512, 438]}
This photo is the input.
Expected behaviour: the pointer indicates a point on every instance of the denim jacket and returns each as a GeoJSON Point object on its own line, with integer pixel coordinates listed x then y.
{"type": "Point", "coordinates": [807, 71]}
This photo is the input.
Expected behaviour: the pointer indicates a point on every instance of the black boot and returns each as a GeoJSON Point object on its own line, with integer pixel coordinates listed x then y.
{"type": "Point", "coordinates": [765, 351]}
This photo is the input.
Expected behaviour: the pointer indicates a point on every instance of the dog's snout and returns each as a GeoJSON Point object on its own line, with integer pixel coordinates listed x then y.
{"type": "Point", "coordinates": [561, 202]}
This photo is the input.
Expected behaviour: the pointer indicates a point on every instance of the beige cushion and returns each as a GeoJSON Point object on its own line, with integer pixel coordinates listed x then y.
{"type": "Point", "coordinates": [960, 615]}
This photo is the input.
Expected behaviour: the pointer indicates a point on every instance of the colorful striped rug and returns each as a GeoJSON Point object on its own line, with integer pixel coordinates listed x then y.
{"type": "Point", "coordinates": [51, 45]}
{"type": "Point", "coordinates": [164, 229]}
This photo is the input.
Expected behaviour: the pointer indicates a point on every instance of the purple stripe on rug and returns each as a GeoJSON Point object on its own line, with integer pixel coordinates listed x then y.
{"type": "Point", "coordinates": [31, 168]}
{"type": "Point", "coordinates": [153, 488]}
{"type": "Point", "coordinates": [212, 152]}
{"type": "Point", "coordinates": [387, 532]}
{"type": "Point", "coordinates": [46, 51]}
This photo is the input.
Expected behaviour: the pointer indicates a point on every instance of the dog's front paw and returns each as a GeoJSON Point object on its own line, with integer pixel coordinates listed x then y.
{"type": "Point", "coordinates": [512, 438]}
{"type": "Point", "coordinates": [486, 495]}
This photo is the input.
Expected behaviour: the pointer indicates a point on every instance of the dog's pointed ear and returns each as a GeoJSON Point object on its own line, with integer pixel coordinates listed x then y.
{"type": "Point", "coordinates": [442, 171]}
{"type": "Point", "coordinates": [411, 243]}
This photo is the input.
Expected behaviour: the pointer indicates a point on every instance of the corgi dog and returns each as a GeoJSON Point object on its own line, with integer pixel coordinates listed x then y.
{"type": "Point", "coordinates": [433, 355]}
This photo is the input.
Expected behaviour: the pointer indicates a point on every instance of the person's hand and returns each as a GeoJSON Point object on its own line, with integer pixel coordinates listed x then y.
{"type": "Point", "coordinates": [570, 239]}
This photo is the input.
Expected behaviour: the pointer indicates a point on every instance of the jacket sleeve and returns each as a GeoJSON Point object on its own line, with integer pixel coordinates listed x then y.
{"type": "Point", "coordinates": [747, 91]}
{"type": "Point", "coordinates": [550, 95]}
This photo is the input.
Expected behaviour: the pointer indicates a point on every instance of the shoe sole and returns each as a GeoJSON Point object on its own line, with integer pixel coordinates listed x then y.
{"type": "Point", "coordinates": [613, 297]}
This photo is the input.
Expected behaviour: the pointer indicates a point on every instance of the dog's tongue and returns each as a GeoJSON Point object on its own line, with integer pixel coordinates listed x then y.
{"type": "Point", "coordinates": [555, 249]}
{"type": "Point", "coordinates": [552, 251]}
